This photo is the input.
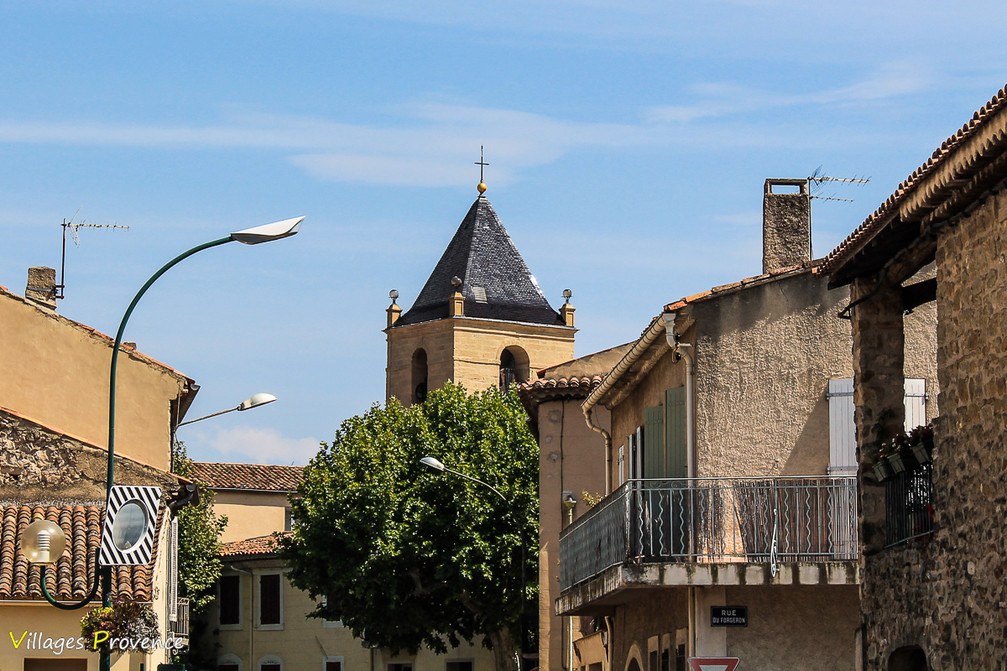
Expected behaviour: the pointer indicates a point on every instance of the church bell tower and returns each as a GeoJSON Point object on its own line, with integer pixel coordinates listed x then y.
{"type": "Point", "coordinates": [480, 320]}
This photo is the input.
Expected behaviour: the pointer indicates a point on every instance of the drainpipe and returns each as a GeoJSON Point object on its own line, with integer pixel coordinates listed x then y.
{"type": "Point", "coordinates": [685, 351]}
{"type": "Point", "coordinates": [589, 417]}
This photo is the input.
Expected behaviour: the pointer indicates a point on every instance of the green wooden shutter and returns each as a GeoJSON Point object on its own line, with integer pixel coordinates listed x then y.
{"type": "Point", "coordinates": [653, 443]}
{"type": "Point", "coordinates": [677, 459]}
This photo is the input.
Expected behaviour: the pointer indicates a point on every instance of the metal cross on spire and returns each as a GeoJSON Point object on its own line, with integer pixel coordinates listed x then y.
{"type": "Point", "coordinates": [482, 164]}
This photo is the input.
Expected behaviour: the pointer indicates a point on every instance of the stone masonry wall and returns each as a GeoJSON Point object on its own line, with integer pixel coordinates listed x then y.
{"type": "Point", "coordinates": [947, 593]}
{"type": "Point", "coordinates": [37, 464]}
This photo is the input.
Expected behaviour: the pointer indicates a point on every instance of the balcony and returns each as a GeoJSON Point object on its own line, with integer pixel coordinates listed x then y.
{"type": "Point", "coordinates": [178, 621]}
{"type": "Point", "coordinates": [703, 531]}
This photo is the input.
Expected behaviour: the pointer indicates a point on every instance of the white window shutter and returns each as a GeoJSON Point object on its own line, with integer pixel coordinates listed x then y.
{"type": "Point", "coordinates": [916, 403]}
{"type": "Point", "coordinates": [842, 428]}
{"type": "Point", "coordinates": [173, 570]}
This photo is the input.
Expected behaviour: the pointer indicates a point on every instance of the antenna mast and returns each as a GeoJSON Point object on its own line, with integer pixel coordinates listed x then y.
{"type": "Point", "coordinates": [817, 179]}
{"type": "Point", "coordinates": [68, 224]}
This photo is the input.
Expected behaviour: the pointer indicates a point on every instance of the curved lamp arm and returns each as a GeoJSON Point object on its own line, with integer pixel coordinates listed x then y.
{"type": "Point", "coordinates": [67, 606]}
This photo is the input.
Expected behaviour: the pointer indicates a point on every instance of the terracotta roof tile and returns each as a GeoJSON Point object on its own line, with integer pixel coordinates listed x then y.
{"type": "Point", "coordinates": [74, 572]}
{"type": "Point", "coordinates": [263, 477]}
{"type": "Point", "coordinates": [259, 546]}
{"type": "Point", "coordinates": [941, 155]}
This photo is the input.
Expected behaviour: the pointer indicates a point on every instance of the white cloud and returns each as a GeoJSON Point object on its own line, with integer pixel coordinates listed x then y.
{"type": "Point", "coordinates": [718, 99]}
{"type": "Point", "coordinates": [432, 142]}
{"type": "Point", "coordinates": [263, 446]}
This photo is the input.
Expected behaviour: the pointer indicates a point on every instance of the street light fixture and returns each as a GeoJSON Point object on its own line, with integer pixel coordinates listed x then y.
{"type": "Point", "coordinates": [253, 401]}
{"type": "Point", "coordinates": [436, 464]}
{"type": "Point", "coordinates": [32, 543]}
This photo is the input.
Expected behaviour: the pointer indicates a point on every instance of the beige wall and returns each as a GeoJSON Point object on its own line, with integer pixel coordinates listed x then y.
{"type": "Point", "coordinates": [764, 357]}
{"type": "Point", "coordinates": [571, 459]}
{"type": "Point", "coordinates": [250, 514]}
{"type": "Point", "coordinates": [303, 642]}
{"type": "Point", "coordinates": [55, 372]}
{"type": "Point", "coordinates": [794, 627]}
{"type": "Point", "coordinates": [468, 351]}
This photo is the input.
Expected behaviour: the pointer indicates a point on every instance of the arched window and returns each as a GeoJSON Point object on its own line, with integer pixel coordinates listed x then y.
{"type": "Point", "coordinates": [513, 366]}
{"type": "Point", "coordinates": [228, 662]}
{"type": "Point", "coordinates": [270, 663]}
{"type": "Point", "coordinates": [908, 658]}
{"type": "Point", "coordinates": [419, 377]}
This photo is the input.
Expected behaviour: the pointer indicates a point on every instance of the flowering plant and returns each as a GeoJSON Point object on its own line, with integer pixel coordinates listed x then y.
{"type": "Point", "coordinates": [125, 621]}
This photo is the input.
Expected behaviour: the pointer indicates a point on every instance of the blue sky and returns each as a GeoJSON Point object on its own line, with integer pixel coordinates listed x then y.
{"type": "Point", "coordinates": [628, 145]}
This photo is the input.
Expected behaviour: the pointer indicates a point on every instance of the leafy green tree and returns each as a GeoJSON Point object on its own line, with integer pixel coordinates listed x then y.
{"type": "Point", "coordinates": [199, 532]}
{"type": "Point", "coordinates": [406, 556]}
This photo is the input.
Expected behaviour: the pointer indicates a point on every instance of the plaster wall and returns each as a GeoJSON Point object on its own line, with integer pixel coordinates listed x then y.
{"type": "Point", "coordinates": [572, 458]}
{"type": "Point", "coordinates": [650, 613]}
{"type": "Point", "coordinates": [55, 373]}
{"type": "Point", "coordinates": [764, 356]}
{"type": "Point", "coordinates": [798, 627]}
{"type": "Point", "coordinates": [250, 514]}
{"type": "Point", "coordinates": [42, 619]}
{"type": "Point", "coordinates": [303, 642]}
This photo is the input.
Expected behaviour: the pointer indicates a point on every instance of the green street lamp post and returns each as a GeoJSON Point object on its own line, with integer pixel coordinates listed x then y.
{"type": "Point", "coordinates": [435, 464]}
{"type": "Point", "coordinates": [42, 541]}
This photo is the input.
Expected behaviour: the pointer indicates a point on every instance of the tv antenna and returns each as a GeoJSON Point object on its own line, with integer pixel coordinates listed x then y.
{"type": "Point", "coordinates": [817, 179]}
{"type": "Point", "coordinates": [74, 227]}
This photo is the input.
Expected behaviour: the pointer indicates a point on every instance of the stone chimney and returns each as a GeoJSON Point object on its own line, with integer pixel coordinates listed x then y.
{"type": "Point", "coordinates": [41, 288]}
{"type": "Point", "coordinates": [786, 224]}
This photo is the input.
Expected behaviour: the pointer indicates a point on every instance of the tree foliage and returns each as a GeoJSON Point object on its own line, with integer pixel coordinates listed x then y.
{"type": "Point", "coordinates": [406, 556]}
{"type": "Point", "coordinates": [199, 532]}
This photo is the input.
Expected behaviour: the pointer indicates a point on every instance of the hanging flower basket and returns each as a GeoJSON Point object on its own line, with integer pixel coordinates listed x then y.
{"type": "Point", "coordinates": [883, 470]}
{"type": "Point", "coordinates": [130, 627]}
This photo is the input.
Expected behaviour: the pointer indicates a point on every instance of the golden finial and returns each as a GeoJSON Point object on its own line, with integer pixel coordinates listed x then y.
{"type": "Point", "coordinates": [481, 187]}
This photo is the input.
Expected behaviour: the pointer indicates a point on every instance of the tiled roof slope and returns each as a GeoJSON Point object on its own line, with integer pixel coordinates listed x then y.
{"type": "Point", "coordinates": [483, 256]}
{"type": "Point", "coordinates": [573, 379]}
{"type": "Point", "coordinates": [260, 546]}
{"type": "Point", "coordinates": [962, 141]}
{"type": "Point", "coordinates": [74, 572]}
{"type": "Point", "coordinates": [261, 477]}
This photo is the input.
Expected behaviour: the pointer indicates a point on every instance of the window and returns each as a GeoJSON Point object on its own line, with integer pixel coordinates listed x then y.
{"type": "Point", "coordinates": [400, 666]}
{"type": "Point", "coordinates": [330, 624]}
{"type": "Point", "coordinates": [288, 519]}
{"type": "Point", "coordinates": [458, 665]}
{"type": "Point", "coordinates": [514, 367]}
{"type": "Point", "coordinates": [270, 663]}
{"type": "Point", "coordinates": [270, 602]}
{"type": "Point", "coordinates": [229, 662]}
{"type": "Point", "coordinates": [230, 600]}
{"type": "Point", "coordinates": [332, 664]}
{"type": "Point", "coordinates": [419, 375]}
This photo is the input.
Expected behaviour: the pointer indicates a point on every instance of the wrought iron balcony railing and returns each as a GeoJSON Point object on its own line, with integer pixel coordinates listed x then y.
{"type": "Point", "coordinates": [178, 622]}
{"type": "Point", "coordinates": [909, 512]}
{"type": "Point", "coordinates": [771, 520]}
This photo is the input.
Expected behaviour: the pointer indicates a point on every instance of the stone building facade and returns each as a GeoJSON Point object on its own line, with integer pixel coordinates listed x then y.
{"type": "Point", "coordinates": [936, 599]}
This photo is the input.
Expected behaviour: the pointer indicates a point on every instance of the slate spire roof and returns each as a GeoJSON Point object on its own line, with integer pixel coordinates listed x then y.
{"type": "Point", "coordinates": [496, 283]}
